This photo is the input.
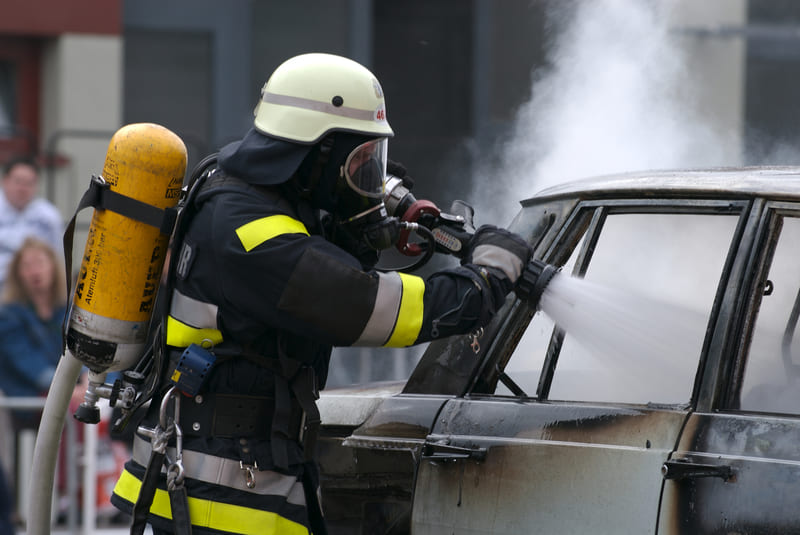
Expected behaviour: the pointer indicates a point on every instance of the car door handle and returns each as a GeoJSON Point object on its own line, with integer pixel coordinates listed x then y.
{"type": "Point", "coordinates": [434, 451]}
{"type": "Point", "coordinates": [679, 469]}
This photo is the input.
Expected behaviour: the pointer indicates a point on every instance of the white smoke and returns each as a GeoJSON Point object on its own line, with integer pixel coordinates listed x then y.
{"type": "Point", "coordinates": [616, 95]}
{"type": "Point", "coordinates": [619, 93]}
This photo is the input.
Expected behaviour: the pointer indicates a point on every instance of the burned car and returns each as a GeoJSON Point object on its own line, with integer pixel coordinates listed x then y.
{"type": "Point", "coordinates": [655, 390]}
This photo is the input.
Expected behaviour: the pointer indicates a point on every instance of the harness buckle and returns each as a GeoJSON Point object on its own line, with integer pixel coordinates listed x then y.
{"type": "Point", "coordinates": [250, 474]}
{"type": "Point", "coordinates": [475, 344]}
{"type": "Point", "coordinates": [175, 471]}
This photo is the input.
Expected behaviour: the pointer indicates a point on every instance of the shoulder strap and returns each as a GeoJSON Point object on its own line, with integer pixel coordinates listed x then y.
{"type": "Point", "coordinates": [154, 360]}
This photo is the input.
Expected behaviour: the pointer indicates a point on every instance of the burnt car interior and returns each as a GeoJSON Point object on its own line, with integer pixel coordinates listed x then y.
{"type": "Point", "coordinates": [771, 376]}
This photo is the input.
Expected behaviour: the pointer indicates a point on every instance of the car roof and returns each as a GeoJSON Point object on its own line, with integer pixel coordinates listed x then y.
{"type": "Point", "coordinates": [778, 182]}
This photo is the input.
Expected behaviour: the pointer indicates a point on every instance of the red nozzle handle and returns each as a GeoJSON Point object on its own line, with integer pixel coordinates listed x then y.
{"type": "Point", "coordinates": [411, 216]}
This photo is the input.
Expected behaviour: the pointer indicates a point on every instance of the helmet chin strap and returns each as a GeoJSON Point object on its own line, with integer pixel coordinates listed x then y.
{"type": "Point", "coordinates": [366, 213]}
{"type": "Point", "coordinates": [312, 182]}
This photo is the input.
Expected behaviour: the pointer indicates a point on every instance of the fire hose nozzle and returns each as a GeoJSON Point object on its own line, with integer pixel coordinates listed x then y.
{"type": "Point", "coordinates": [534, 279]}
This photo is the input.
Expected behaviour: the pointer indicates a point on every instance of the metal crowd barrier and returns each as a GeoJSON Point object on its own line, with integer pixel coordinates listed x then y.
{"type": "Point", "coordinates": [77, 511]}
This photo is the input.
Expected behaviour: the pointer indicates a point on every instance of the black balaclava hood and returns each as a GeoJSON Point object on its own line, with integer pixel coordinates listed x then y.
{"type": "Point", "coordinates": [331, 189]}
{"type": "Point", "coordinates": [262, 160]}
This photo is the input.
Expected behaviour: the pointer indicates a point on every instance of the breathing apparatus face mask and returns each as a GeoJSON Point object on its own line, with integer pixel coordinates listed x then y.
{"type": "Point", "coordinates": [360, 204]}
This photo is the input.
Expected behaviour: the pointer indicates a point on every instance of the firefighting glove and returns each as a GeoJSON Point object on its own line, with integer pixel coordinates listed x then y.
{"type": "Point", "coordinates": [499, 250]}
{"type": "Point", "coordinates": [494, 259]}
{"type": "Point", "coordinates": [399, 170]}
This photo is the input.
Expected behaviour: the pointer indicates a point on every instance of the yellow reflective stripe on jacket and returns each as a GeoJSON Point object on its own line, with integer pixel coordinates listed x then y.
{"type": "Point", "coordinates": [210, 514]}
{"type": "Point", "coordinates": [256, 232]}
{"type": "Point", "coordinates": [181, 335]}
{"type": "Point", "coordinates": [409, 317]}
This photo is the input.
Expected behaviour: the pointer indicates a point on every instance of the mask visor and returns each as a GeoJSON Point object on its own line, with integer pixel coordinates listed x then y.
{"type": "Point", "coordinates": [365, 168]}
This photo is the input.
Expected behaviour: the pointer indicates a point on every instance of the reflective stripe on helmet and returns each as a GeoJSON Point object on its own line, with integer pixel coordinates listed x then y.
{"type": "Point", "coordinates": [256, 232]}
{"type": "Point", "coordinates": [212, 514]}
{"type": "Point", "coordinates": [181, 335]}
{"type": "Point", "coordinates": [315, 105]}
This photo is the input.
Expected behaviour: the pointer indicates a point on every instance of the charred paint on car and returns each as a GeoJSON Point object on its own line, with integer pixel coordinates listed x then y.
{"type": "Point", "coordinates": [466, 445]}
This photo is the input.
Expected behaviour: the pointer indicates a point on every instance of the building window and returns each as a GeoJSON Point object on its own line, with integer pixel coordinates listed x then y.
{"type": "Point", "coordinates": [8, 99]}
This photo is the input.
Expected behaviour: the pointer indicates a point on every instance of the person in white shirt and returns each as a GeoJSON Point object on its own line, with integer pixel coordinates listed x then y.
{"type": "Point", "coordinates": [23, 213]}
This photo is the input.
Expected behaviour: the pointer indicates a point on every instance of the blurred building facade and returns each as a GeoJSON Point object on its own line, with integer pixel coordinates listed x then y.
{"type": "Point", "coordinates": [455, 73]}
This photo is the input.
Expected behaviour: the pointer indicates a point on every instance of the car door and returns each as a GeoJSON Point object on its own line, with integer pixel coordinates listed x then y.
{"type": "Point", "coordinates": [372, 436]}
{"type": "Point", "coordinates": [737, 466]}
{"type": "Point", "coordinates": [574, 436]}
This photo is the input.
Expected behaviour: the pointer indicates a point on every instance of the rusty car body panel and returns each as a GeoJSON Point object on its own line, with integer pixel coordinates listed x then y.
{"type": "Point", "coordinates": [470, 444]}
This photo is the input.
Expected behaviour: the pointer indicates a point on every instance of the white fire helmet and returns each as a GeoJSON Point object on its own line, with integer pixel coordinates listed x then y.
{"type": "Point", "coordinates": [311, 95]}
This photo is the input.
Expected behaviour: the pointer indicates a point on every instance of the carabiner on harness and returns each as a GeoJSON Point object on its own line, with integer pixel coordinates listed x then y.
{"type": "Point", "coordinates": [175, 471]}
{"type": "Point", "coordinates": [475, 344]}
{"type": "Point", "coordinates": [178, 499]}
{"type": "Point", "coordinates": [159, 439]}
{"type": "Point", "coordinates": [250, 473]}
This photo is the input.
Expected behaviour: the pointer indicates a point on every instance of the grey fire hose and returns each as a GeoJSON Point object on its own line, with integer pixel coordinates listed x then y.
{"type": "Point", "coordinates": [45, 452]}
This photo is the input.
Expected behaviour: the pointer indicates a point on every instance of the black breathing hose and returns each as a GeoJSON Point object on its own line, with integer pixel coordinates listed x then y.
{"type": "Point", "coordinates": [429, 247]}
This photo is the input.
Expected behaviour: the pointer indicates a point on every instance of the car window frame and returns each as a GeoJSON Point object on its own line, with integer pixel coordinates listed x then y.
{"type": "Point", "coordinates": [766, 237]}
{"type": "Point", "coordinates": [514, 319]}
{"type": "Point", "coordinates": [451, 366]}
{"type": "Point", "coordinates": [587, 219]}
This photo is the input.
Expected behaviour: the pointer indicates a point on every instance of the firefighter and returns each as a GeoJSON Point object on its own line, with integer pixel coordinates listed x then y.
{"type": "Point", "coordinates": [274, 268]}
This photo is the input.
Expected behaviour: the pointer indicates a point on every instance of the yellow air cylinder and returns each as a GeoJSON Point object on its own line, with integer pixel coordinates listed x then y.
{"type": "Point", "coordinates": [121, 268]}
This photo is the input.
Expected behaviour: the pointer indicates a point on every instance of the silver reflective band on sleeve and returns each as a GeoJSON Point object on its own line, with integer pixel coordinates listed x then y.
{"type": "Point", "coordinates": [227, 473]}
{"type": "Point", "coordinates": [315, 105]}
{"type": "Point", "coordinates": [493, 256]}
{"type": "Point", "coordinates": [193, 312]}
{"type": "Point", "coordinates": [384, 313]}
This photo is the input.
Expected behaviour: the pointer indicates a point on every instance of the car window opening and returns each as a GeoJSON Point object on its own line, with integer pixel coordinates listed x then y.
{"type": "Point", "coordinates": [635, 324]}
{"type": "Point", "coordinates": [772, 373]}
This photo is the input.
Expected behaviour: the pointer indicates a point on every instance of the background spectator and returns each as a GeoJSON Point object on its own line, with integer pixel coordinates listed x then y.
{"type": "Point", "coordinates": [23, 213]}
{"type": "Point", "coordinates": [32, 309]}
{"type": "Point", "coordinates": [31, 316]}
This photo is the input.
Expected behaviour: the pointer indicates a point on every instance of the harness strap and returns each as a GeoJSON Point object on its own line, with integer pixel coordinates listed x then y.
{"type": "Point", "coordinates": [232, 416]}
{"type": "Point", "coordinates": [306, 391]}
{"type": "Point", "coordinates": [179, 503]}
{"type": "Point", "coordinates": [99, 195]}
{"type": "Point", "coordinates": [310, 485]}
{"type": "Point", "coordinates": [226, 472]}
{"type": "Point", "coordinates": [303, 383]}
{"type": "Point", "coordinates": [279, 435]}
{"type": "Point", "coordinates": [148, 490]}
